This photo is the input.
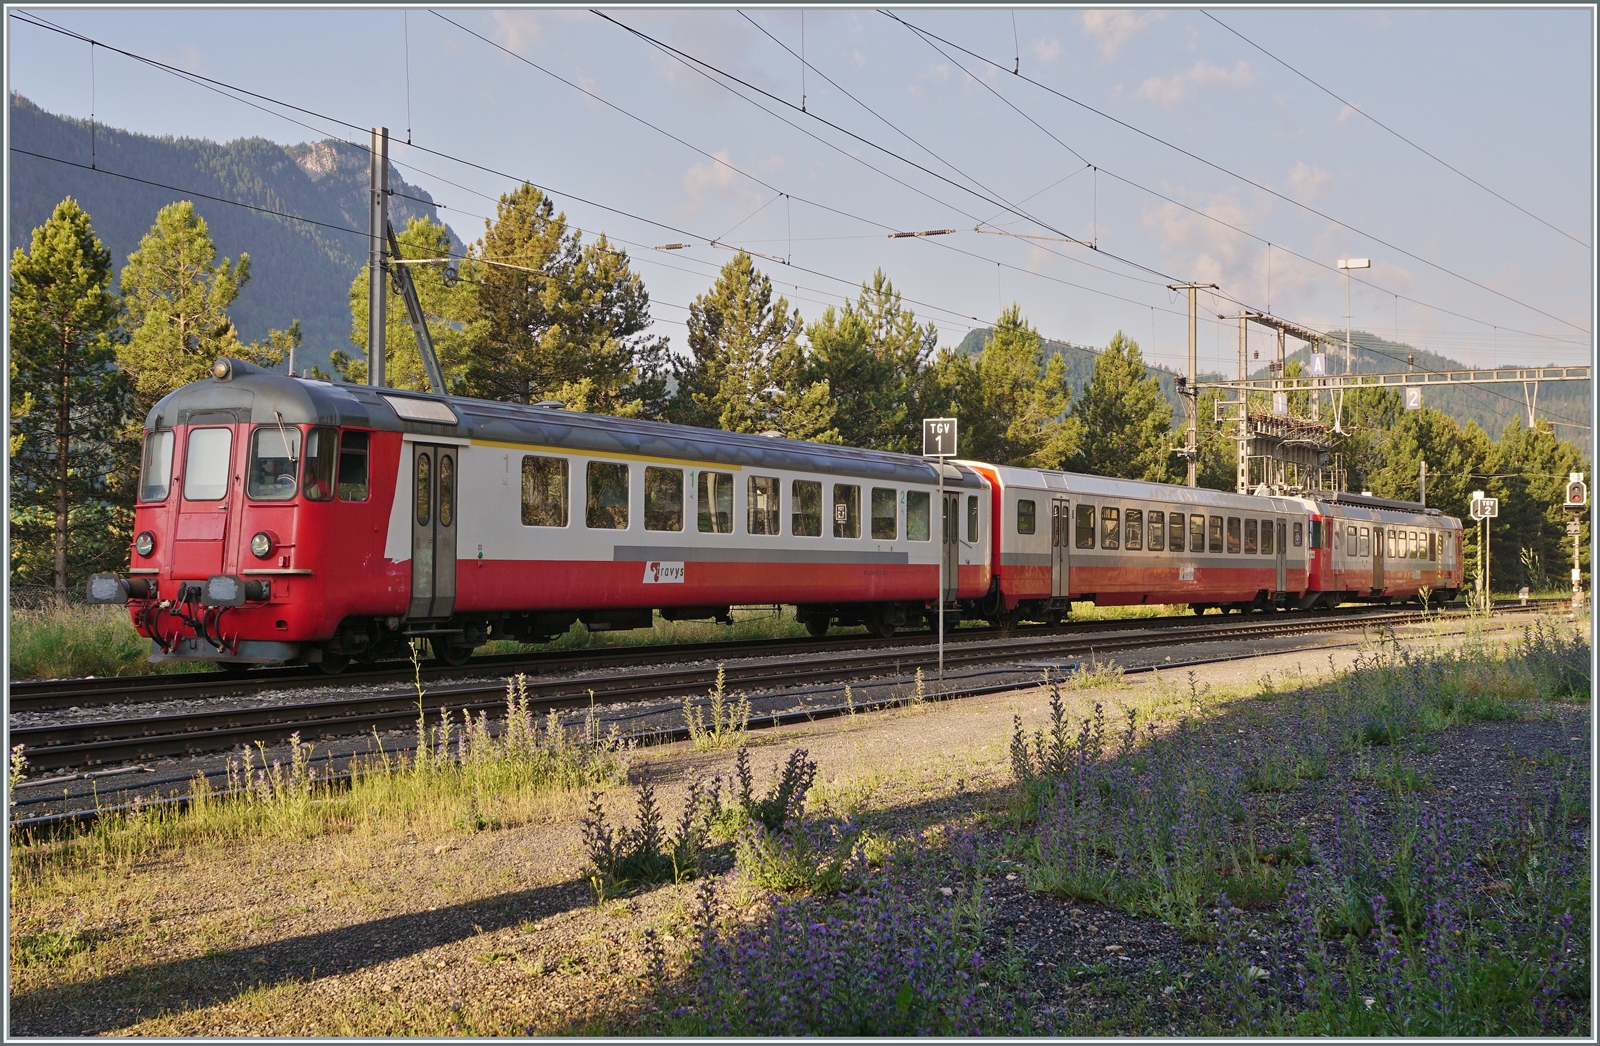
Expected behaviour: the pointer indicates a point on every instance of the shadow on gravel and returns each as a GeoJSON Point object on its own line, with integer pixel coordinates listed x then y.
{"type": "Point", "coordinates": [96, 1007]}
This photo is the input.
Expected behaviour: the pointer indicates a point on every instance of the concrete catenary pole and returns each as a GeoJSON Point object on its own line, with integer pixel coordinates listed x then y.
{"type": "Point", "coordinates": [377, 229]}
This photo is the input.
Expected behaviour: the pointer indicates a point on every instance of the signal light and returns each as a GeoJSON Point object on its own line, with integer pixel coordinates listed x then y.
{"type": "Point", "coordinates": [1577, 494]}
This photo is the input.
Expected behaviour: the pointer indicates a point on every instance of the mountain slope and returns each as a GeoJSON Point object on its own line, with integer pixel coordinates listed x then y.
{"type": "Point", "coordinates": [298, 270]}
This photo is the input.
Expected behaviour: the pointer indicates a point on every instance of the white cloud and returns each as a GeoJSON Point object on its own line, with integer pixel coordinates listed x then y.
{"type": "Point", "coordinates": [1309, 181]}
{"type": "Point", "coordinates": [1170, 92]}
{"type": "Point", "coordinates": [517, 29]}
{"type": "Point", "coordinates": [1047, 49]}
{"type": "Point", "coordinates": [713, 181]}
{"type": "Point", "coordinates": [1347, 113]}
{"type": "Point", "coordinates": [1112, 30]}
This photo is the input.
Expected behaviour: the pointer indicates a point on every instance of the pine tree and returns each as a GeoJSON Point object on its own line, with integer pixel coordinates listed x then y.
{"type": "Point", "coordinates": [746, 371]}
{"type": "Point", "coordinates": [176, 296]}
{"type": "Point", "coordinates": [873, 356]}
{"type": "Point", "coordinates": [1527, 470]}
{"type": "Point", "coordinates": [1125, 420]}
{"type": "Point", "coordinates": [561, 320]}
{"type": "Point", "coordinates": [454, 322]}
{"type": "Point", "coordinates": [1010, 401]}
{"type": "Point", "coordinates": [69, 512]}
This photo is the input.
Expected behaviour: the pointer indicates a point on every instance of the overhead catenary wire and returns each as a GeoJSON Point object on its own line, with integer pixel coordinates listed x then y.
{"type": "Point", "coordinates": [1363, 113]}
{"type": "Point", "coordinates": [1243, 178]}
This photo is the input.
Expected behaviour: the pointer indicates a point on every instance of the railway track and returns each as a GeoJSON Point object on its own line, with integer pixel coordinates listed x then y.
{"type": "Point", "coordinates": [106, 742]}
{"type": "Point", "coordinates": [54, 694]}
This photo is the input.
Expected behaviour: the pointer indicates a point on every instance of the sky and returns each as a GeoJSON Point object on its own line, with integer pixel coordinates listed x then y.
{"type": "Point", "coordinates": [1182, 144]}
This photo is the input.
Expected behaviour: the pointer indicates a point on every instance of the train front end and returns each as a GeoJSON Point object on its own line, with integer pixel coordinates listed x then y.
{"type": "Point", "coordinates": [257, 527]}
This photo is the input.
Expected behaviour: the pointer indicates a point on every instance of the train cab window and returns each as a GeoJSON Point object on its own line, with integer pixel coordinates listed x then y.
{"type": "Point", "coordinates": [716, 503]}
{"type": "Point", "coordinates": [846, 510]}
{"type": "Point", "coordinates": [206, 468]}
{"type": "Point", "coordinates": [1250, 536]}
{"type": "Point", "coordinates": [1266, 537]}
{"type": "Point", "coordinates": [919, 517]}
{"type": "Point", "coordinates": [1364, 543]}
{"type": "Point", "coordinates": [1197, 534]}
{"type": "Point", "coordinates": [1026, 523]}
{"type": "Point", "coordinates": [321, 450]}
{"type": "Point", "coordinates": [1315, 537]}
{"type": "Point", "coordinates": [885, 514]}
{"type": "Point", "coordinates": [274, 463]}
{"type": "Point", "coordinates": [544, 491]}
{"type": "Point", "coordinates": [761, 503]}
{"type": "Point", "coordinates": [155, 471]}
{"type": "Point", "coordinates": [1233, 535]}
{"type": "Point", "coordinates": [1084, 537]}
{"type": "Point", "coordinates": [353, 481]}
{"type": "Point", "coordinates": [1133, 529]}
{"type": "Point", "coordinates": [805, 517]}
{"type": "Point", "coordinates": [1158, 530]}
{"type": "Point", "coordinates": [1110, 527]}
{"type": "Point", "coordinates": [663, 498]}
{"type": "Point", "coordinates": [1298, 532]}
{"type": "Point", "coordinates": [606, 507]}
{"type": "Point", "coordinates": [1214, 533]}
{"type": "Point", "coordinates": [972, 519]}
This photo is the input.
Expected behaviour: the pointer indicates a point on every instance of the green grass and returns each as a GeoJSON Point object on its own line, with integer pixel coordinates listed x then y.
{"type": "Point", "coordinates": [78, 640]}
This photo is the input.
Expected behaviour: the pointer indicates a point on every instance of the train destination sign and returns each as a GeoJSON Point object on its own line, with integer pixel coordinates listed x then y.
{"type": "Point", "coordinates": [938, 437]}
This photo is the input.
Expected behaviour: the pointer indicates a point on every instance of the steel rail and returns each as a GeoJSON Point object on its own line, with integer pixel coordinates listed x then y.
{"type": "Point", "coordinates": [56, 747]}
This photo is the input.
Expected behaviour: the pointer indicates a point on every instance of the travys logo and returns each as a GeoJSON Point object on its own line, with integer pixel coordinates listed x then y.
{"type": "Point", "coordinates": [663, 573]}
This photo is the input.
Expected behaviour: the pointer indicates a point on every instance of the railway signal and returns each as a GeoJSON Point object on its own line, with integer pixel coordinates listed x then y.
{"type": "Point", "coordinates": [939, 442]}
{"type": "Point", "coordinates": [1483, 509]}
{"type": "Point", "coordinates": [1577, 501]}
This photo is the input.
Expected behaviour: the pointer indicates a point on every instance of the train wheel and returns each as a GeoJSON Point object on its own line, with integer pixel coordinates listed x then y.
{"type": "Point", "coordinates": [453, 654]}
{"type": "Point", "coordinates": [879, 627]}
{"type": "Point", "coordinates": [333, 664]}
{"type": "Point", "coordinates": [817, 626]}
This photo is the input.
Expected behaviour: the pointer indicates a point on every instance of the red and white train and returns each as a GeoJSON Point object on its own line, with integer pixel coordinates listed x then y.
{"type": "Point", "coordinates": [284, 519]}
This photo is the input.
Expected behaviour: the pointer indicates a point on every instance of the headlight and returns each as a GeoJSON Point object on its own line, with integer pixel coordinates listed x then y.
{"type": "Point", "coordinates": [261, 545]}
{"type": "Point", "coordinates": [145, 543]}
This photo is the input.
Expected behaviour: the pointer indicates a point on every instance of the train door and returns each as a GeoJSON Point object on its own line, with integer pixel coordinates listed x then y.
{"type": "Point", "coordinates": [1283, 557]}
{"type": "Point", "coordinates": [208, 495]}
{"type": "Point", "coordinates": [952, 544]}
{"type": "Point", "coordinates": [1378, 551]}
{"type": "Point", "coordinates": [433, 530]}
{"type": "Point", "coordinates": [1060, 528]}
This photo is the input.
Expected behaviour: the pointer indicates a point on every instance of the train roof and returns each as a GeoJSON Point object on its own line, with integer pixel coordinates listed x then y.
{"type": "Point", "coordinates": [1133, 489]}
{"type": "Point", "coordinates": [252, 394]}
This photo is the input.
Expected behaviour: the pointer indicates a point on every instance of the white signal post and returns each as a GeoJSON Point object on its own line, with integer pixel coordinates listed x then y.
{"type": "Point", "coordinates": [1577, 502]}
{"type": "Point", "coordinates": [1483, 510]}
{"type": "Point", "coordinates": [939, 442]}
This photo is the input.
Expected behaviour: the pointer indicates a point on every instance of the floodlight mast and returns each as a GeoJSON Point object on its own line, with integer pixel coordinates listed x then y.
{"type": "Point", "coordinates": [1347, 264]}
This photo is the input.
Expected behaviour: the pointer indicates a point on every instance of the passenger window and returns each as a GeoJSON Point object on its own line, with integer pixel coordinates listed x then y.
{"type": "Point", "coordinates": [1352, 544]}
{"type": "Point", "coordinates": [353, 481]}
{"type": "Point", "coordinates": [1298, 531]}
{"type": "Point", "coordinates": [716, 503]}
{"type": "Point", "coordinates": [424, 489]}
{"type": "Point", "coordinates": [1133, 532]}
{"type": "Point", "coordinates": [205, 470]}
{"type": "Point", "coordinates": [1175, 532]}
{"type": "Point", "coordinates": [1250, 536]}
{"type": "Point", "coordinates": [1109, 526]}
{"type": "Point", "coordinates": [274, 463]}
{"type": "Point", "coordinates": [1197, 534]}
{"type": "Point", "coordinates": [1266, 537]}
{"type": "Point", "coordinates": [885, 514]}
{"type": "Point", "coordinates": [1365, 544]}
{"type": "Point", "coordinates": [663, 498]}
{"type": "Point", "coordinates": [1412, 545]}
{"type": "Point", "coordinates": [607, 505]}
{"type": "Point", "coordinates": [447, 488]}
{"type": "Point", "coordinates": [1390, 543]}
{"type": "Point", "coordinates": [155, 474]}
{"type": "Point", "coordinates": [321, 449]}
{"type": "Point", "coordinates": [1084, 537]}
{"type": "Point", "coordinates": [1025, 520]}
{"type": "Point", "coordinates": [919, 520]}
{"type": "Point", "coordinates": [761, 503]}
{"type": "Point", "coordinates": [972, 519]}
{"type": "Point", "coordinates": [846, 510]}
{"type": "Point", "coordinates": [1216, 533]}
{"type": "Point", "coordinates": [544, 491]}
{"type": "Point", "coordinates": [1233, 534]}
{"type": "Point", "coordinates": [1158, 531]}
{"type": "Point", "coordinates": [805, 499]}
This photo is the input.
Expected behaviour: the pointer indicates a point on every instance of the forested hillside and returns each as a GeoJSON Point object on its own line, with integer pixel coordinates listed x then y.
{"type": "Point", "coordinates": [299, 271]}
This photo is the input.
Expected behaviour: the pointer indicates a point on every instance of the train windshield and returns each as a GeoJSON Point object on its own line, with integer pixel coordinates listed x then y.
{"type": "Point", "coordinates": [274, 463]}
{"type": "Point", "coordinates": [155, 477]}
